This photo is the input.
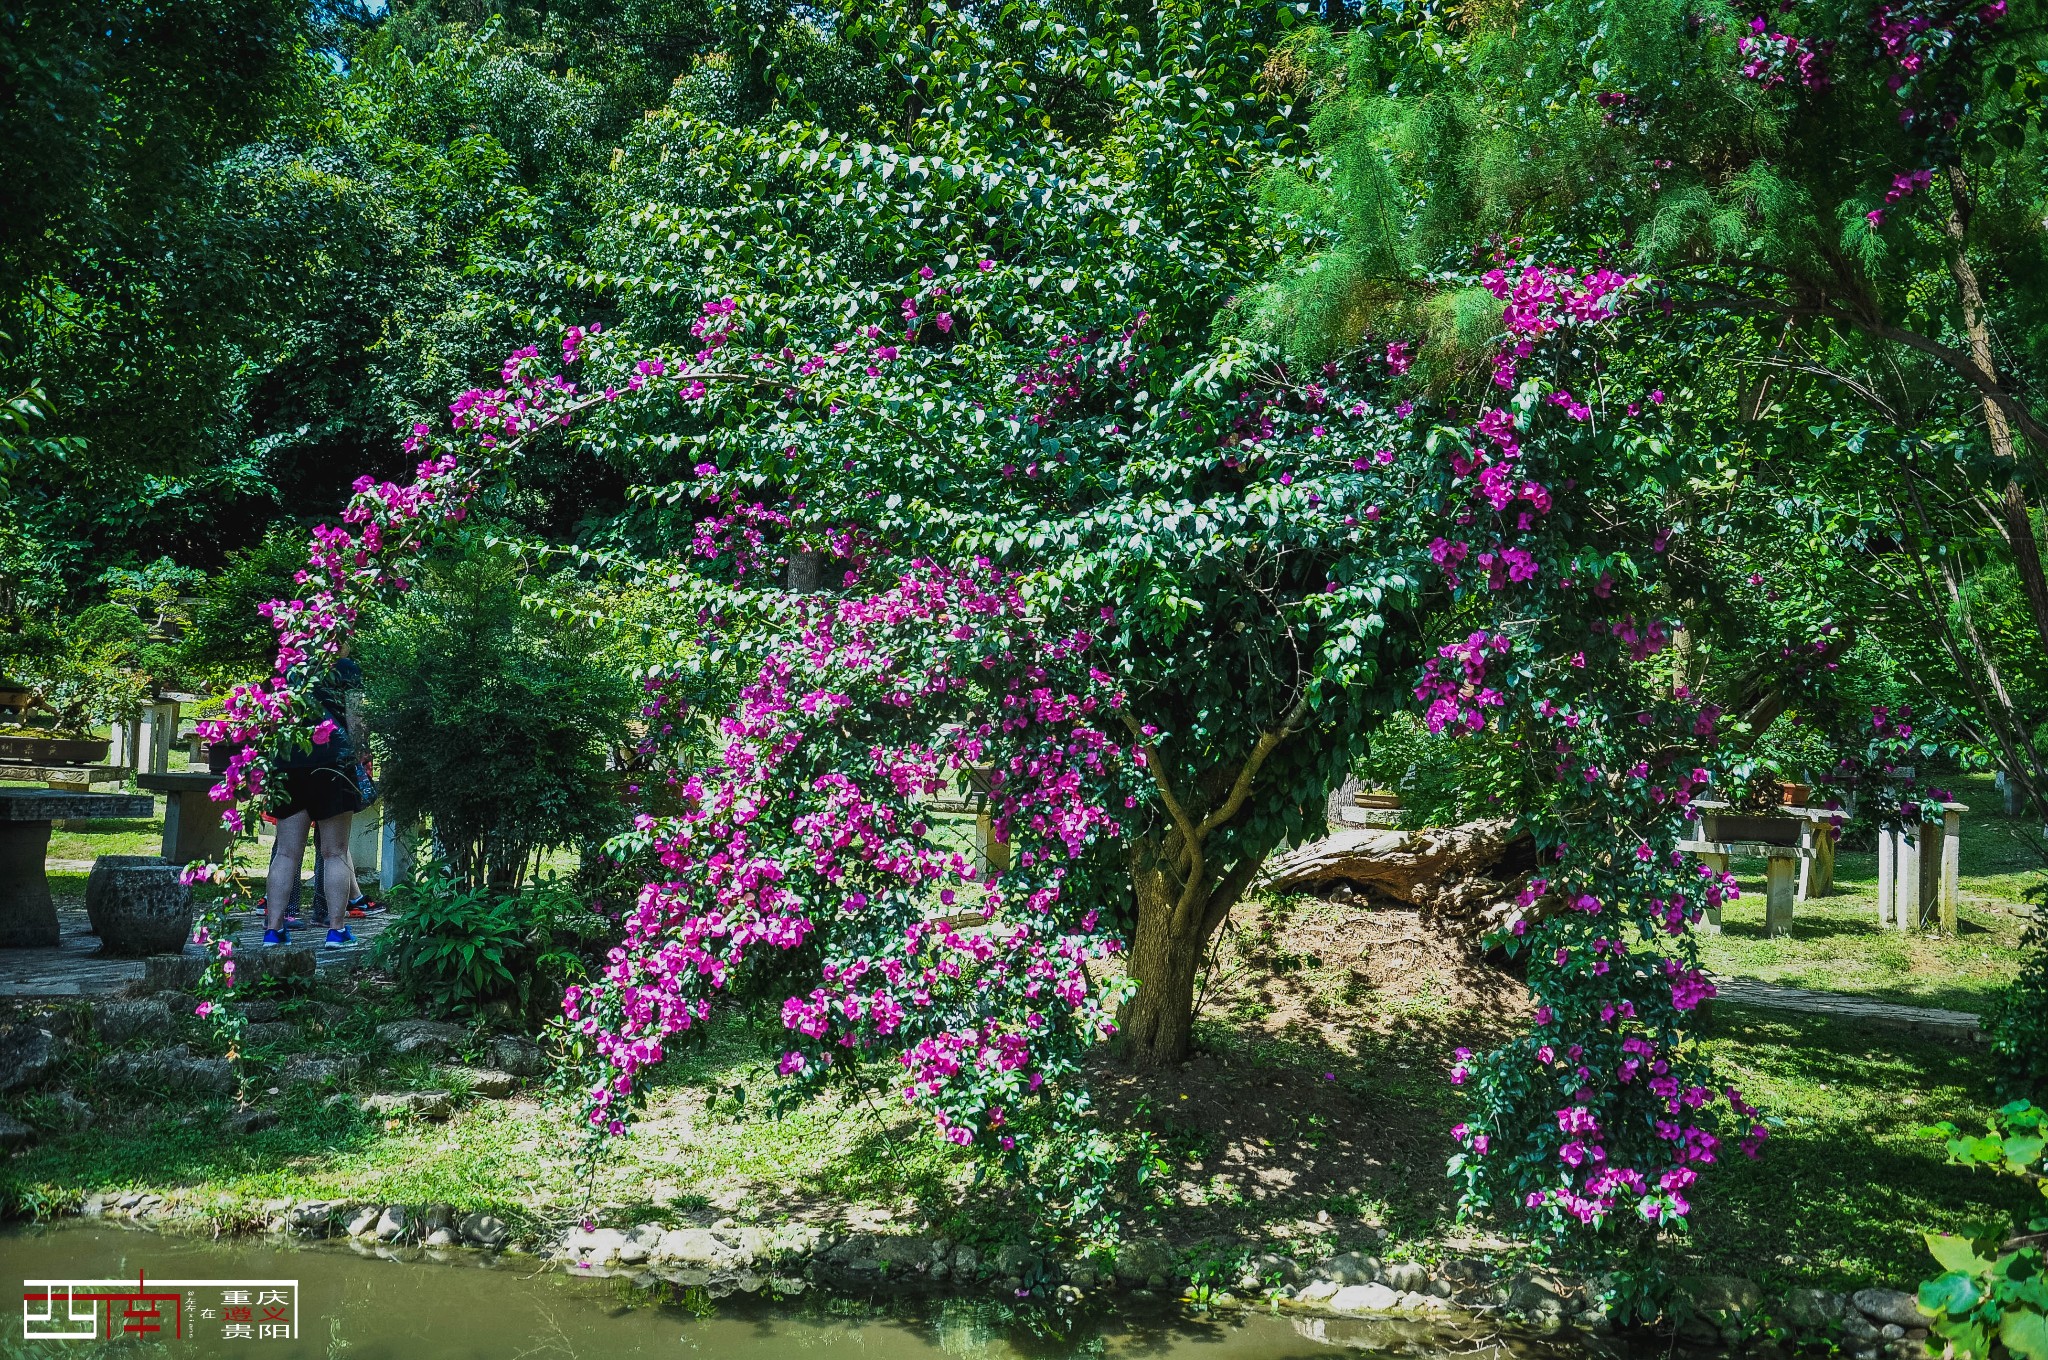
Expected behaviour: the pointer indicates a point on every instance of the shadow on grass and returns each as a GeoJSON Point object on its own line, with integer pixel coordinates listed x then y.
{"type": "Point", "coordinates": [1848, 1180]}
{"type": "Point", "coordinates": [112, 826]}
{"type": "Point", "coordinates": [1810, 927]}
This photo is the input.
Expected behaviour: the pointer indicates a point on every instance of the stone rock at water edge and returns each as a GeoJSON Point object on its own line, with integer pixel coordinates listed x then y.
{"type": "Point", "coordinates": [1365, 1298]}
{"type": "Point", "coordinates": [1893, 1306]}
{"type": "Point", "coordinates": [1140, 1259]}
{"type": "Point", "coordinates": [28, 1053]}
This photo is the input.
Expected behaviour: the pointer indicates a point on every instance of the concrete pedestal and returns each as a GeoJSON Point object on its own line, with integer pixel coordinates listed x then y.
{"type": "Point", "coordinates": [192, 825]}
{"type": "Point", "coordinates": [28, 914]}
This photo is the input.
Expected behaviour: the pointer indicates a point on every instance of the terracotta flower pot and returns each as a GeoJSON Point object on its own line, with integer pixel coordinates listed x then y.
{"type": "Point", "coordinates": [1796, 794]}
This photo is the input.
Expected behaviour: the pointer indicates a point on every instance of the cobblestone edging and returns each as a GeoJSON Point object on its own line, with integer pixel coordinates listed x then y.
{"type": "Point", "coordinates": [1465, 1297]}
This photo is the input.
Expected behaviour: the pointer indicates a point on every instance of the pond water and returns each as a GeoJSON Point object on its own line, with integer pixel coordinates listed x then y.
{"type": "Point", "coordinates": [369, 1307]}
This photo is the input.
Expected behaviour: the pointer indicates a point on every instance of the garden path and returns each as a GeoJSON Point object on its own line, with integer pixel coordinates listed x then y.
{"type": "Point", "coordinates": [1927, 1020]}
{"type": "Point", "coordinates": [75, 968]}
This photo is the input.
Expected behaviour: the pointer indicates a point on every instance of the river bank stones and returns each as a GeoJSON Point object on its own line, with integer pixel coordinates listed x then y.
{"type": "Point", "coordinates": [28, 1053]}
{"type": "Point", "coordinates": [397, 1104]}
{"type": "Point", "coordinates": [117, 1022]}
{"type": "Point", "coordinates": [174, 1068]}
{"type": "Point", "coordinates": [520, 1057]}
{"type": "Point", "coordinates": [428, 1038]}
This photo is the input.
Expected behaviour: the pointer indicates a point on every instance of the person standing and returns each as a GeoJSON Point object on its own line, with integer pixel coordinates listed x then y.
{"type": "Point", "coordinates": [323, 792]}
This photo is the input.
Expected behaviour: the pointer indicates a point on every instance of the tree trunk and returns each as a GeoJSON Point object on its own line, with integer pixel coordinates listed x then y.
{"type": "Point", "coordinates": [1157, 1020]}
{"type": "Point", "coordinates": [1182, 894]}
{"type": "Point", "coordinates": [2013, 517]}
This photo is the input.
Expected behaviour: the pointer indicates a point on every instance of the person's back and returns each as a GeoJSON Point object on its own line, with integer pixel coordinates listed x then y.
{"type": "Point", "coordinates": [324, 786]}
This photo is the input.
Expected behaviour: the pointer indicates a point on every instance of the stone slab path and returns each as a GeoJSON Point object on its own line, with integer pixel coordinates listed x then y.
{"type": "Point", "coordinates": [76, 968]}
{"type": "Point", "coordinates": [1927, 1020]}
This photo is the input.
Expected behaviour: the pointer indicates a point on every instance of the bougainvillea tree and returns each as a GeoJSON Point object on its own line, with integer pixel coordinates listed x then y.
{"type": "Point", "coordinates": [1843, 209]}
{"type": "Point", "coordinates": [1147, 589]}
{"type": "Point", "coordinates": [1152, 591]}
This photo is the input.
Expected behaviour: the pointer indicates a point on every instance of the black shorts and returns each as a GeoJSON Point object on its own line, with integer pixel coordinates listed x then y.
{"type": "Point", "coordinates": [325, 792]}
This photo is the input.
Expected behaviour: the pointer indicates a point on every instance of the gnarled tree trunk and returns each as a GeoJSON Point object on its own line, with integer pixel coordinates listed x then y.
{"type": "Point", "coordinates": [1183, 894]}
{"type": "Point", "coordinates": [1166, 951]}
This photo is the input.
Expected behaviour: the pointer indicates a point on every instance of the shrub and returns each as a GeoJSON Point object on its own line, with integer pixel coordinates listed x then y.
{"type": "Point", "coordinates": [1989, 1298]}
{"type": "Point", "coordinates": [460, 948]}
{"type": "Point", "coordinates": [494, 720]}
{"type": "Point", "coordinates": [2018, 1021]}
{"type": "Point", "coordinates": [82, 666]}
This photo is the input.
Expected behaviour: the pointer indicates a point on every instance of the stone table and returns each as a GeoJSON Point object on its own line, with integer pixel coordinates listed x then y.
{"type": "Point", "coordinates": [28, 915]}
{"type": "Point", "coordinates": [192, 825]}
{"type": "Point", "coordinates": [1781, 837]}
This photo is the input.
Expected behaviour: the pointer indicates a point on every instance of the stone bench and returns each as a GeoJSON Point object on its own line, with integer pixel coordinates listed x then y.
{"type": "Point", "coordinates": [1781, 876]}
{"type": "Point", "coordinates": [192, 824]}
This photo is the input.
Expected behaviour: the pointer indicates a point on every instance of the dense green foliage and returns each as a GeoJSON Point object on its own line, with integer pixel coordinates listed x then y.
{"type": "Point", "coordinates": [494, 720]}
{"type": "Point", "coordinates": [463, 949]}
{"type": "Point", "coordinates": [1993, 1295]}
{"type": "Point", "coordinates": [2018, 1026]}
{"type": "Point", "coordinates": [1835, 242]}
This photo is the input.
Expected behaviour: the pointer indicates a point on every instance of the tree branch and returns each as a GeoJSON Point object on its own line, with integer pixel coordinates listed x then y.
{"type": "Point", "coordinates": [1181, 821]}
{"type": "Point", "coordinates": [1242, 787]}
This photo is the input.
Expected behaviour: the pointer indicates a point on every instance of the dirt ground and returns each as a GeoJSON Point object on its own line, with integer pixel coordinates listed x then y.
{"type": "Point", "coordinates": [1317, 1099]}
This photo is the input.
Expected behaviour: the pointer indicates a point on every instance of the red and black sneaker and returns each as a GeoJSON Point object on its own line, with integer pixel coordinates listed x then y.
{"type": "Point", "coordinates": [363, 906]}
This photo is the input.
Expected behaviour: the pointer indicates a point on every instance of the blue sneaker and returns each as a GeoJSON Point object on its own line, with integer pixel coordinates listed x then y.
{"type": "Point", "coordinates": [277, 937]}
{"type": "Point", "coordinates": [336, 938]}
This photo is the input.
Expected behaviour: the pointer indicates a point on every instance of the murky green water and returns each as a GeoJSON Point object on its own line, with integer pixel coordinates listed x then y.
{"type": "Point", "coordinates": [366, 1307]}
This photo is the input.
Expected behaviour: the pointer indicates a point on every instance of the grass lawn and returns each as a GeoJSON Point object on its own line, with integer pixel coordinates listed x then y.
{"type": "Point", "coordinates": [1316, 1111]}
{"type": "Point", "coordinates": [1837, 945]}
{"type": "Point", "coordinates": [1315, 1114]}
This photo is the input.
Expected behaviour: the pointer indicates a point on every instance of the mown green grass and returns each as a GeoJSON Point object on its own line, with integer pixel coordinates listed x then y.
{"type": "Point", "coordinates": [1849, 1179]}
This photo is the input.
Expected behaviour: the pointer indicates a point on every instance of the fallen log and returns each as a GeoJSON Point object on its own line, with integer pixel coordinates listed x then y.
{"type": "Point", "coordinates": [1465, 878]}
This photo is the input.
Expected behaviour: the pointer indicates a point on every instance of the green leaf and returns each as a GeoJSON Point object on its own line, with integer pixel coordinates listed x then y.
{"type": "Point", "coordinates": [2025, 1335]}
{"type": "Point", "coordinates": [1954, 1293]}
{"type": "Point", "coordinates": [1956, 1254]}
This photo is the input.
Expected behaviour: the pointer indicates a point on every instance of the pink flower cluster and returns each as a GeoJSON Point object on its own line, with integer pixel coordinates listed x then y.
{"type": "Point", "coordinates": [1779, 58]}
{"type": "Point", "coordinates": [1460, 697]}
{"type": "Point", "coordinates": [794, 821]}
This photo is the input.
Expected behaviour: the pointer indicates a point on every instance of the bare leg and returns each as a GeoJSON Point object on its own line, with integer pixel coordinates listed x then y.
{"type": "Point", "coordinates": [337, 870]}
{"type": "Point", "coordinates": [285, 859]}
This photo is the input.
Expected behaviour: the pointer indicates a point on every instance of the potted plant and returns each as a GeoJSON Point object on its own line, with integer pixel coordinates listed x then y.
{"type": "Point", "coordinates": [79, 673]}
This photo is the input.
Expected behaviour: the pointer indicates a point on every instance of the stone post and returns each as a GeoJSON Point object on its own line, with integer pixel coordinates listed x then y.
{"type": "Point", "coordinates": [1951, 867]}
{"type": "Point", "coordinates": [159, 730]}
{"type": "Point", "coordinates": [395, 852]}
{"type": "Point", "coordinates": [1887, 873]}
{"type": "Point", "coordinates": [1906, 880]}
{"type": "Point", "coordinates": [364, 838]}
{"type": "Point", "coordinates": [1781, 884]}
